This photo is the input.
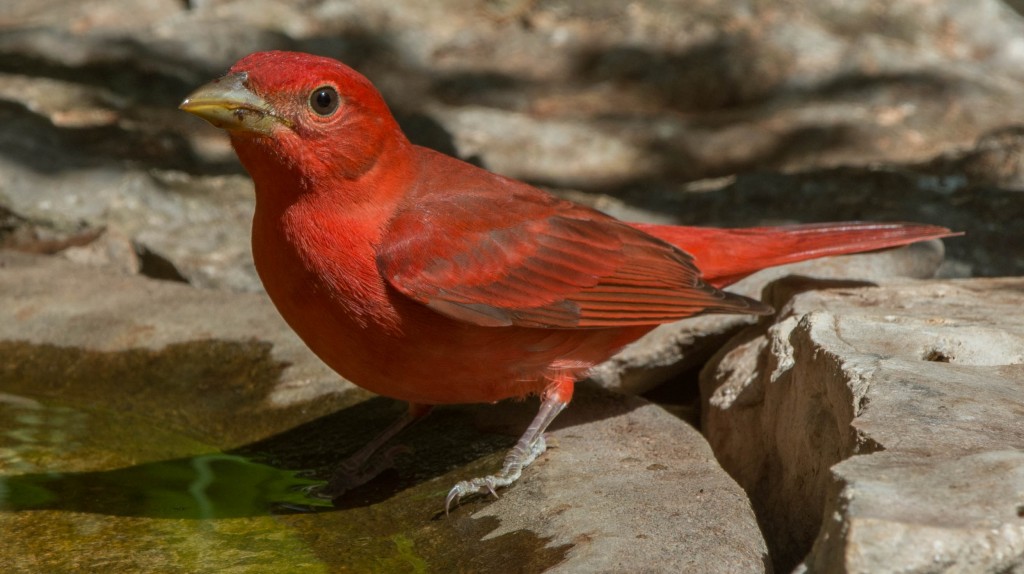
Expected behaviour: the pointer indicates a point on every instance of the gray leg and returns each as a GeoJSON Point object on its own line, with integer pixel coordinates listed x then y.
{"type": "Point", "coordinates": [354, 471]}
{"type": "Point", "coordinates": [529, 447]}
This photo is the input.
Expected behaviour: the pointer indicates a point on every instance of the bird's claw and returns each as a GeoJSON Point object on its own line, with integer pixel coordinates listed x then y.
{"type": "Point", "coordinates": [482, 485]}
{"type": "Point", "coordinates": [515, 462]}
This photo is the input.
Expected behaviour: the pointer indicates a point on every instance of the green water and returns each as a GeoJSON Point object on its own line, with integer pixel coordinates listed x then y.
{"type": "Point", "coordinates": [38, 440]}
{"type": "Point", "coordinates": [110, 492]}
{"type": "Point", "coordinates": [172, 461]}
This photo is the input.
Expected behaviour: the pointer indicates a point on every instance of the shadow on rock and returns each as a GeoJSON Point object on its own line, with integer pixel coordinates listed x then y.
{"type": "Point", "coordinates": [271, 476]}
{"type": "Point", "coordinates": [67, 409]}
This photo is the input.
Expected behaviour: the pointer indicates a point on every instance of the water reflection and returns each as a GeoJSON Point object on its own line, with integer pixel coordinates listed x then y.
{"type": "Point", "coordinates": [206, 486]}
{"type": "Point", "coordinates": [35, 437]}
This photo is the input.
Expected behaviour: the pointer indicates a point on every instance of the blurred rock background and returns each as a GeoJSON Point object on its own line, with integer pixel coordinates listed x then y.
{"type": "Point", "coordinates": [703, 112]}
{"type": "Point", "coordinates": [786, 111]}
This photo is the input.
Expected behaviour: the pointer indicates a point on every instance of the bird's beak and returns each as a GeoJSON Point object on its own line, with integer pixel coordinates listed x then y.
{"type": "Point", "coordinates": [229, 104]}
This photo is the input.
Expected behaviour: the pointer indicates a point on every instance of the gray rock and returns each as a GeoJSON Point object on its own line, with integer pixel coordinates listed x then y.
{"type": "Point", "coordinates": [130, 387]}
{"type": "Point", "coordinates": [49, 301]}
{"type": "Point", "coordinates": [926, 372]}
{"type": "Point", "coordinates": [634, 489]}
{"type": "Point", "coordinates": [678, 347]}
{"type": "Point", "coordinates": [899, 513]}
{"type": "Point", "coordinates": [113, 249]}
{"type": "Point", "coordinates": [594, 95]}
{"type": "Point", "coordinates": [718, 114]}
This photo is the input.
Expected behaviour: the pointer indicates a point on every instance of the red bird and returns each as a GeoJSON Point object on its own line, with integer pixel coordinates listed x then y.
{"type": "Point", "coordinates": [423, 278]}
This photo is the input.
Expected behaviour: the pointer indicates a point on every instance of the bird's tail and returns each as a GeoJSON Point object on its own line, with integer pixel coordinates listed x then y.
{"type": "Point", "coordinates": [728, 255]}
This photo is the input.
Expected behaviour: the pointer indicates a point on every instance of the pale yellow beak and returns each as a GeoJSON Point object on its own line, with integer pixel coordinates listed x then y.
{"type": "Point", "coordinates": [229, 104]}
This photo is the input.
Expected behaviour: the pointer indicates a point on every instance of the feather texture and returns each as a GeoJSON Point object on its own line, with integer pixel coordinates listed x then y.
{"type": "Point", "coordinates": [495, 252]}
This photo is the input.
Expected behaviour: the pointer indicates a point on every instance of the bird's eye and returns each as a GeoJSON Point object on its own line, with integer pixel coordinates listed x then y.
{"type": "Point", "coordinates": [324, 100]}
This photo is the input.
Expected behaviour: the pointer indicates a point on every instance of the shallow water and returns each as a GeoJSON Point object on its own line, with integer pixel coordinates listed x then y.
{"type": "Point", "coordinates": [200, 483]}
{"type": "Point", "coordinates": [170, 461]}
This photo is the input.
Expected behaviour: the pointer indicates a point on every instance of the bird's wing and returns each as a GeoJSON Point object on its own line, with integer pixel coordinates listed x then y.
{"type": "Point", "coordinates": [528, 259]}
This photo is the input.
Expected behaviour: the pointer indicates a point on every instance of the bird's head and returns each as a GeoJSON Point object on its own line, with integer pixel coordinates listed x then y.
{"type": "Point", "coordinates": [299, 113]}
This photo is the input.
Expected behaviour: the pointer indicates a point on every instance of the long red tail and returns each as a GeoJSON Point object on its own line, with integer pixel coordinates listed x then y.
{"type": "Point", "coordinates": [728, 255]}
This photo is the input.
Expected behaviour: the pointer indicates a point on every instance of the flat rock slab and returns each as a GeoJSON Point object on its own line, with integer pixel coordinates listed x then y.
{"type": "Point", "coordinates": [51, 305]}
{"type": "Point", "coordinates": [899, 513]}
{"type": "Point", "coordinates": [879, 429]}
{"type": "Point", "coordinates": [150, 426]}
{"type": "Point", "coordinates": [630, 489]}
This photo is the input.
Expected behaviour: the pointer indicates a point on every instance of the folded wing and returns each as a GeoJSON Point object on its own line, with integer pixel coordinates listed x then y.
{"type": "Point", "coordinates": [525, 258]}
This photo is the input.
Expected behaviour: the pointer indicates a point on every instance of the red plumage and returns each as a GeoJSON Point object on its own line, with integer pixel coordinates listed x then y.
{"type": "Point", "coordinates": [426, 279]}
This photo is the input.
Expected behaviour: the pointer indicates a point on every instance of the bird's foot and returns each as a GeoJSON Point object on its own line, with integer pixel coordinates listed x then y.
{"type": "Point", "coordinates": [356, 472]}
{"type": "Point", "coordinates": [526, 450]}
{"type": "Point", "coordinates": [515, 462]}
{"type": "Point", "coordinates": [368, 462]}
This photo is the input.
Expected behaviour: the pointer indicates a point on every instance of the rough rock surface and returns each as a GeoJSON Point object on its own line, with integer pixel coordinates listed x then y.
{"type": "Point", "coordinates": [223, 369]}
{"type": "Point", "coordinates": [636, 101]}
{"type": "Point", "coordinates": [635, 490]}
{"type": "Point", "coordinates": [679, 347]}
{"type": "Point", "coordinates": [914, 391]}
{"type": "Point", "coordinates": [49, 302]}
{"type": "Point", "coordinates": [708, 113]}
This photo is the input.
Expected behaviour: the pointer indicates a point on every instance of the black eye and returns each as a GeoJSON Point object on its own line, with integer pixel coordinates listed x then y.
{"type": "Point", "coordinates": [324, 100]}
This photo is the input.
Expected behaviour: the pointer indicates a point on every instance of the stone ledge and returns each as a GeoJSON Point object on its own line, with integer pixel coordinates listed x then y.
{"type": "Point", "coordinates": [928, 372]}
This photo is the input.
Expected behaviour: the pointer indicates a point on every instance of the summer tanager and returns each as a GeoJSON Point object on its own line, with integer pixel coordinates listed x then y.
{"type": "Point", "coordinates": [426, 279]}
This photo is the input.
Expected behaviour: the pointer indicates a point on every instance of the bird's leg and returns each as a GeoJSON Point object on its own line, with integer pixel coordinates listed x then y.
{"type": "Point", "coordinates": [528, 448]}
{"type": "Point", "coordinates": [354, 471]}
